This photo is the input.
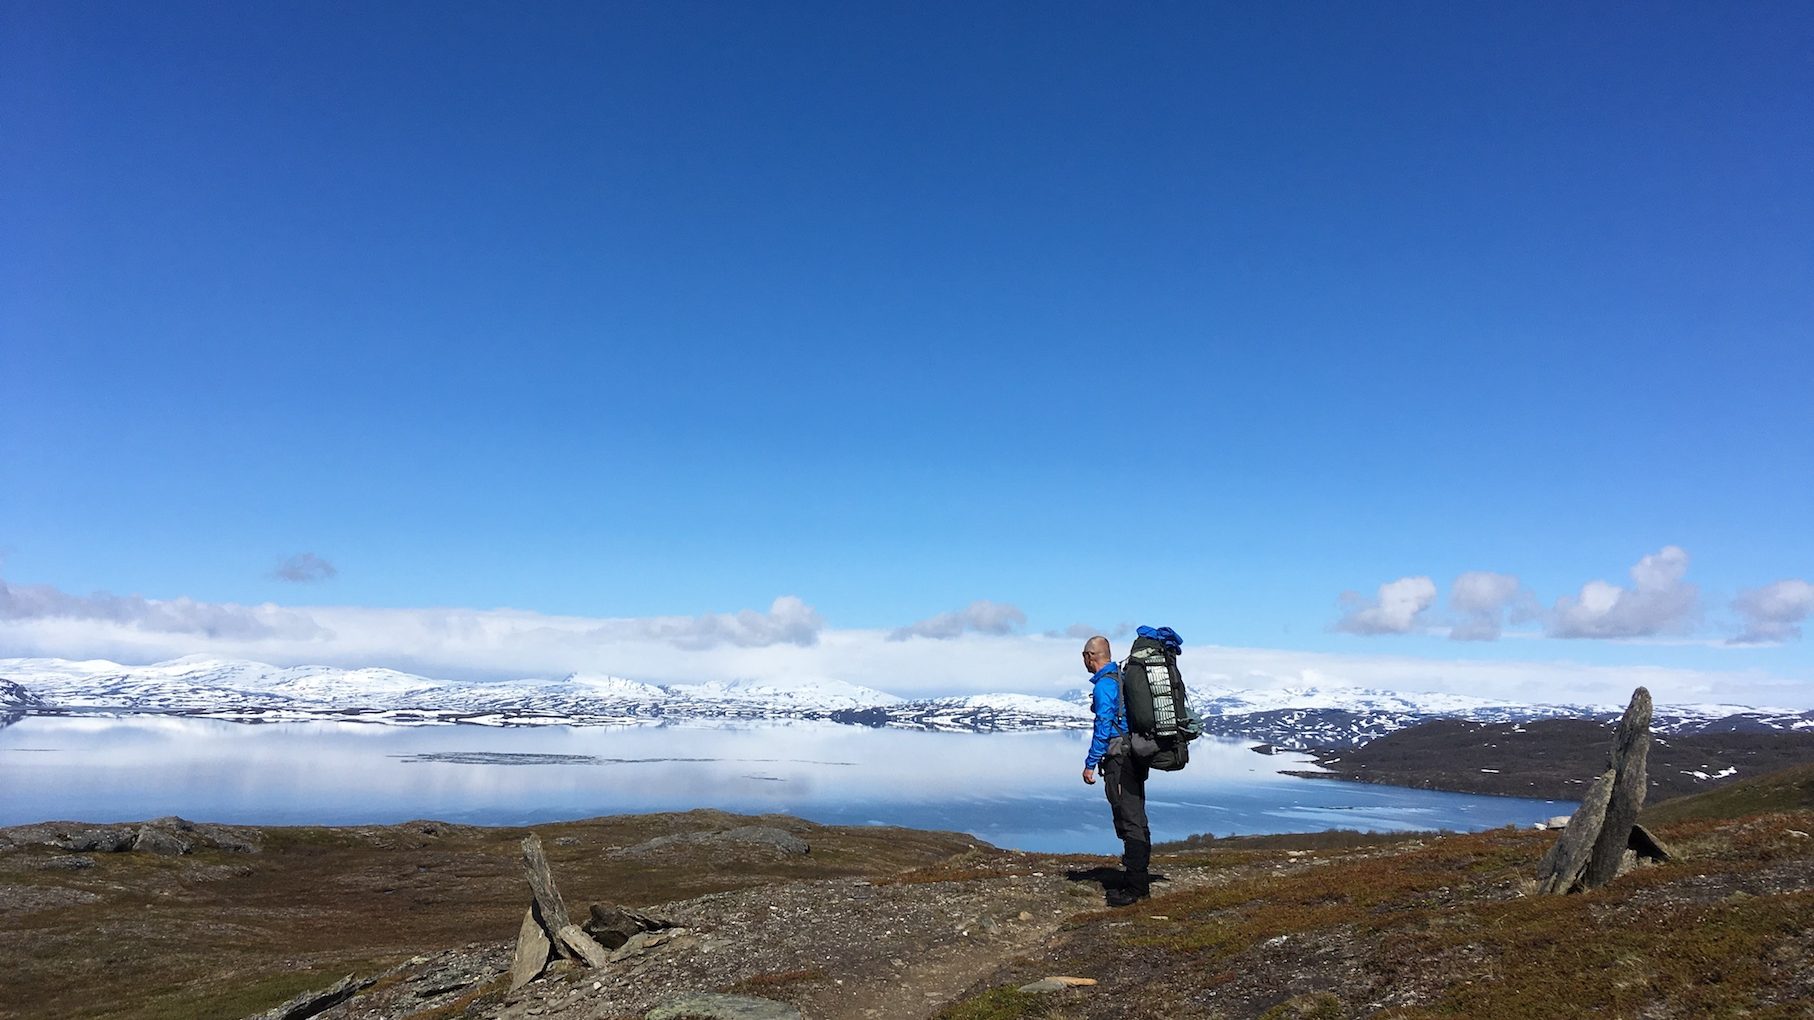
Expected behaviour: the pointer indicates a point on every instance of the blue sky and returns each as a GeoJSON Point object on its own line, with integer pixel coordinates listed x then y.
{"type": "Point", "coordinates": [1188, 313]}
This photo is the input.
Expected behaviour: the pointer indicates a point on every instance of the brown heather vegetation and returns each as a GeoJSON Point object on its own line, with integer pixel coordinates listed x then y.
{"type": "Point", "coordinates": [1313, 927]}
{"type": "Point", "coordinates": [221, 934]}
{"type": "Point", "coordinates": [1446, 927]}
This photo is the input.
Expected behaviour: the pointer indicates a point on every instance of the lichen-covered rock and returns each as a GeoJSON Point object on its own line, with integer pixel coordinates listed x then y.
{"type": "Point", "coordinates": [109, 840]}
{"type": "Point", "coordinates": [236, 840]}
{"type": "Point", "coordinates": [158, 841]}
{"type": "Point", "coordinates": [740, 841]}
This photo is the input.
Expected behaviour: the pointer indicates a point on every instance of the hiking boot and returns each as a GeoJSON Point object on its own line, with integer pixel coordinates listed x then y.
{"type": "Point", "coordinates": [1127, 895]}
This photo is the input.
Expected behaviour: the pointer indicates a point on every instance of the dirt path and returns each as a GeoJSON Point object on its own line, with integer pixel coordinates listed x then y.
{"type": "Point", "coordinates": [900, 948]}
{"type": "Point", "coordinates": [837, 949]}
{"type": "Point", "coordinates": [918, 986]}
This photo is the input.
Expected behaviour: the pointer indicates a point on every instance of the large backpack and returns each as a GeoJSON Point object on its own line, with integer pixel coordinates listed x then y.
{"type": "Point", "coordinates": [1159, 720]}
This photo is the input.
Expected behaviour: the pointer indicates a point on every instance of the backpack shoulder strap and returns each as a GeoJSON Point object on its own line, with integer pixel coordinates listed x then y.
{"type": "Point", "coordinates": [1121, 696]}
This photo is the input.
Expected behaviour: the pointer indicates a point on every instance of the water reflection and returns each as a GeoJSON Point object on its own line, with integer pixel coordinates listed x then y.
{"type": "Point", "coordinates": [1020, 789]}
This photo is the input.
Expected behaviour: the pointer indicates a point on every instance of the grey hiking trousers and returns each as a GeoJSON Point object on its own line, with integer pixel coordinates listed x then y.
{"type": "Point", "coordinates": [1124, 783]}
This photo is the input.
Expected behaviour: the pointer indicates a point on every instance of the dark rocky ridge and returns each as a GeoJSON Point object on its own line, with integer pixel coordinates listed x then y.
{"type": "Point", "coordinates": [1555, 758]}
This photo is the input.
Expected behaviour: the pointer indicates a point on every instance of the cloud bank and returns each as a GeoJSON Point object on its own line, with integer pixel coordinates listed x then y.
{"type": "Point", "coordinates": [179, 616]}
{"type": "Point", "coordinates": [40, 619]}
{"type": "Point", "coordinates": [789, 642]}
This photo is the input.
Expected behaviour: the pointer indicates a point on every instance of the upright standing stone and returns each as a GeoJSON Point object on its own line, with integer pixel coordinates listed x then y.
{"type": "Point", "coordinates": [547, 897]}
{"type": "Point", "coordinates": [1630, 756]}
{"type": "Point", "coordinates": [1594, 843]}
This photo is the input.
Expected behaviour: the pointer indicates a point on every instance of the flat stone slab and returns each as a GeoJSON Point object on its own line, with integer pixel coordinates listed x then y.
{"type": "Point", "coordinates": [643, 941]}
{"type": "Point", "coordinates": [1057, 983]}
{"type": "Point", "coordinates": [722, 1007]}
{"type": "Point", "coordinates": [532, 949]}
{"type": "Point", "coordinates": [583, 946]}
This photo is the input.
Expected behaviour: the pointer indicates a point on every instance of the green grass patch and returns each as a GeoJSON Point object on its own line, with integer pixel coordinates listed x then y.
{"type": "Point", "coordinates": [1315, 1006]}
{"type": "Point", "coordinates": [233, 998]}
{"type": "Point", "coordinates": [1004, 1003]}
{"type": "Point", "coordinates": [756, 984]}
{"type": "Point", "coordinates": [1788, 790]}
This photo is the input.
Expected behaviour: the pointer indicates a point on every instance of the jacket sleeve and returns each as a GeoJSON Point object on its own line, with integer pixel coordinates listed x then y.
{"type": "Point", "coordinates": [1105, 703]}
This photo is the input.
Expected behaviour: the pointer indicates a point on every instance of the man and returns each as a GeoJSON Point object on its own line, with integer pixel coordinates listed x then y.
{"type": "Point", "coordinates": [1123, 776]}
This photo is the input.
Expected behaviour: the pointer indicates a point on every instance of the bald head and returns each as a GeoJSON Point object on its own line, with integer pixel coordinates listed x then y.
{"type": "Point", "coordinates": [1096, 653]}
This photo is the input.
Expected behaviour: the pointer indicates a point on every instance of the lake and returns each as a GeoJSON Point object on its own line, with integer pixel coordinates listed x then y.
{"type": "Point", "coordinates": [1020, 790]}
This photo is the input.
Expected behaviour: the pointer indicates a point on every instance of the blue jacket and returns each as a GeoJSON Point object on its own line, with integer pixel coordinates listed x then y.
{"type": "Point", "coordinates": [1105, 702]}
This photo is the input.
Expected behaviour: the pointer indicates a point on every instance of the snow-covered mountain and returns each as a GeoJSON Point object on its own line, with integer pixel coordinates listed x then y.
{"type": "Point", "coordinates": [1295, 718]}
{"type": "Point", "coordinates": [256, 692]}
{"type": "Point", "coordinates": [1304, 718]}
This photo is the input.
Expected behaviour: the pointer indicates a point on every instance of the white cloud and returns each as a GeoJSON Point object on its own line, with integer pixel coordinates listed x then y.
{"type": "Point", "coordinates": [789, 621]}
{"type": "Point", "coordinates": [53, 622]}
{"type": "Point", "coordinates": [979, 617]}
{"type": "Point", "coordinates": [1774, 612]}
{"type": "Point", "coordinates": [1397, 608]}
{"type": "Point", "coordinates": [1659, 602]}
{"type": "Point", "coordinates": [789, 642]}
{"type": "Point", "coordinates": [1524, 680]}
{"type": "Point", "coordinates": [1482, 600]}
{"type": "Point", "coordinates": [170, 616]}
{"type": "Point", "coordinates": [304, 568]}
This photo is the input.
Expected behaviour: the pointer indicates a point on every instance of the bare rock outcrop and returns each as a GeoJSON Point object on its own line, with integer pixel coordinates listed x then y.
{"type": "Point", "coordinates": [740, 841]}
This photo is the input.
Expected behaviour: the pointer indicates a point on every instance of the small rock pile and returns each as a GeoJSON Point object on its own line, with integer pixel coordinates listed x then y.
{"type": "Point", "coordinates": [548, 935]}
